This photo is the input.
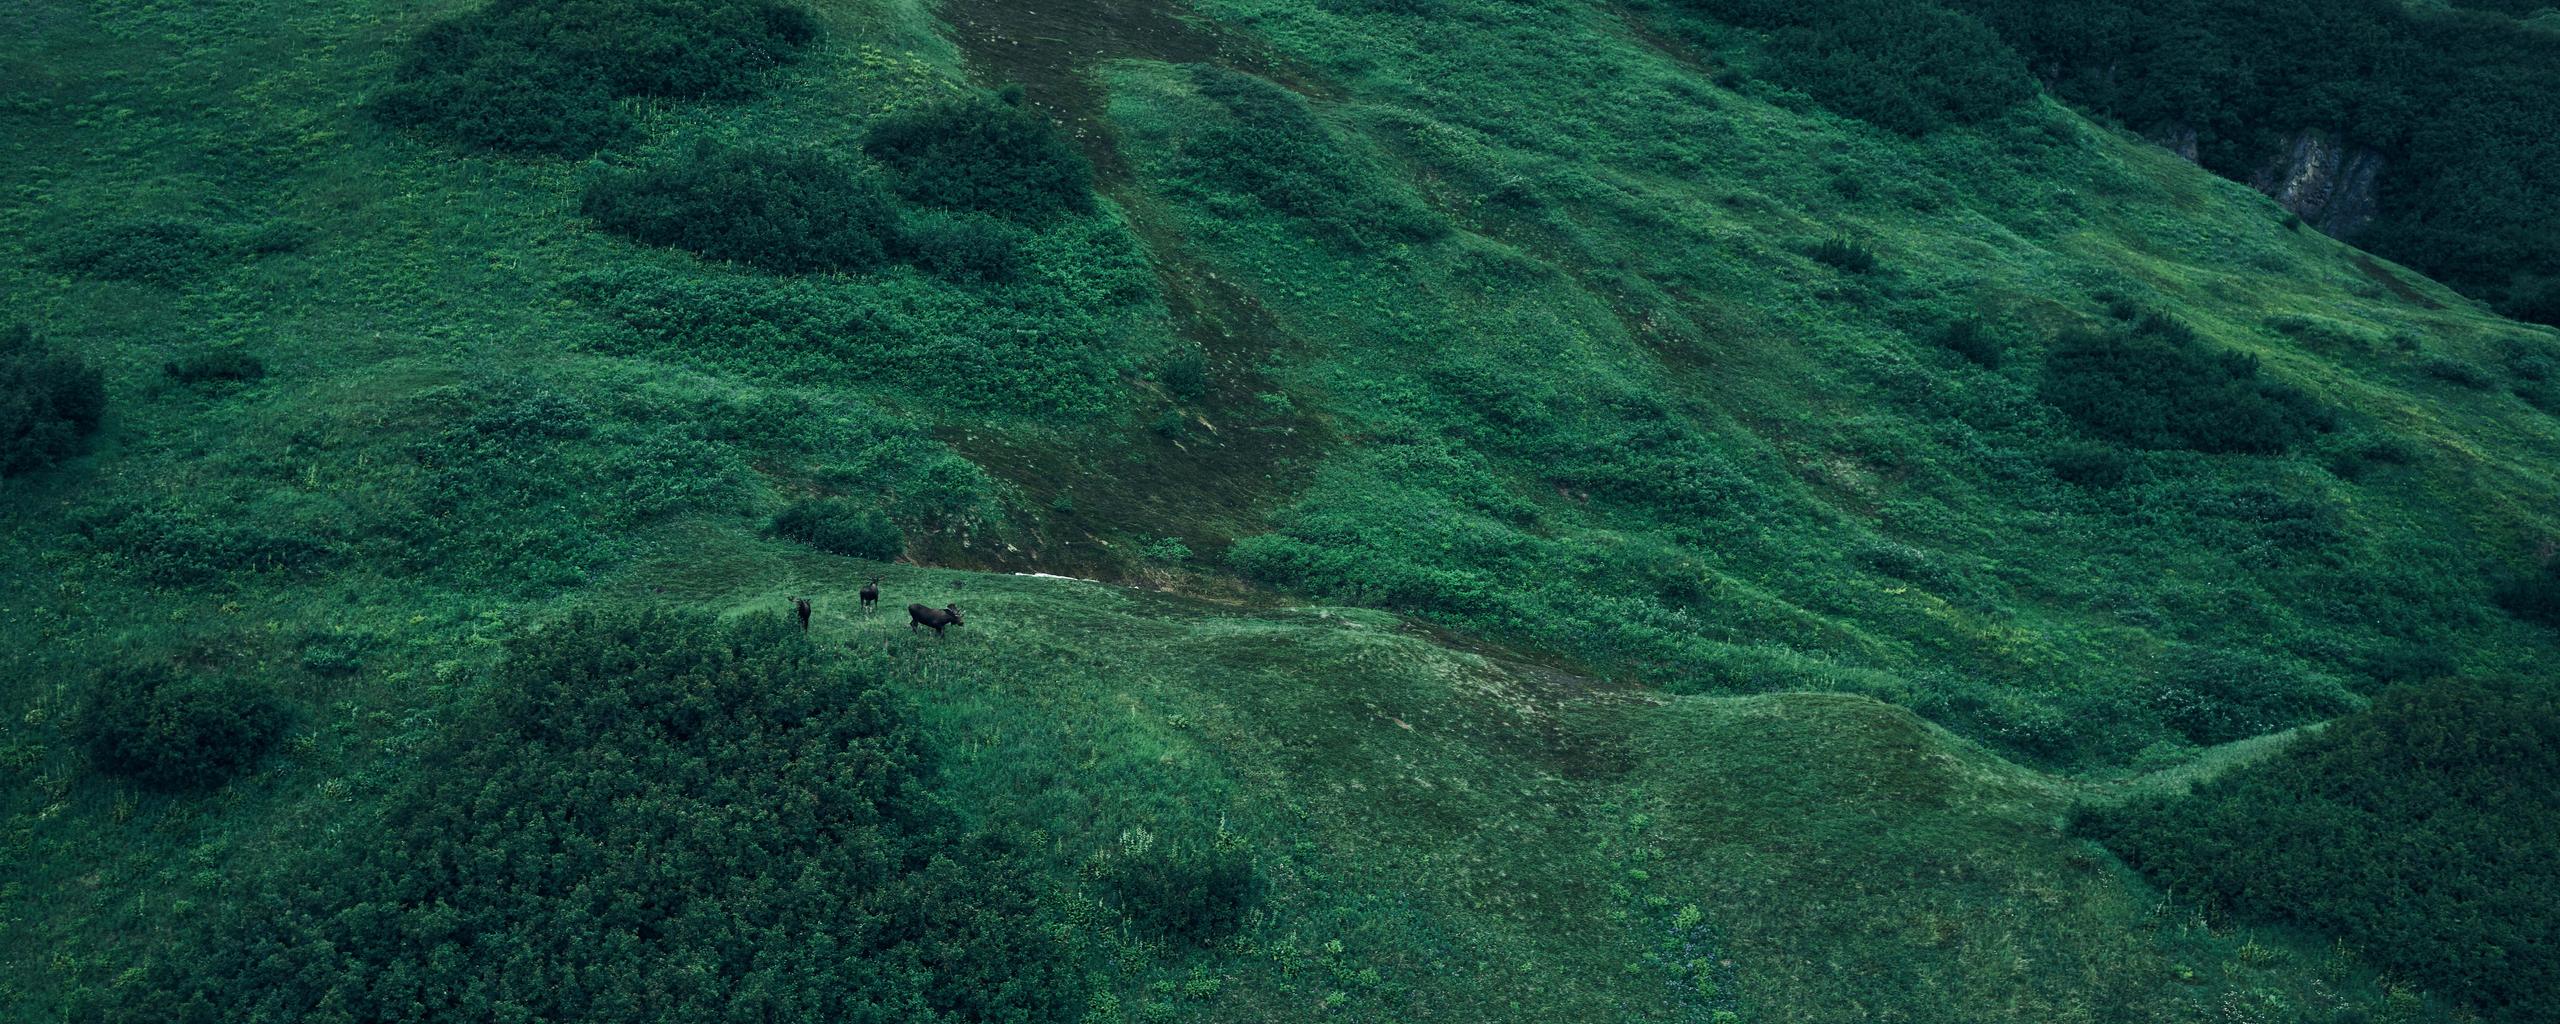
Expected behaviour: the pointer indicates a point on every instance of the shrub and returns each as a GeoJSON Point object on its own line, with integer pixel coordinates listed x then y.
{"type": "Point", "coordinates": [215, 368]}
{"type": "Point", "coordinates": [167, 252]}
{"type": "Point", "coordinates": [1184, 891]}
{"type": "Point", "coordinates": [1271, 147]}
{"type": "Point", "coordinates": [789, 211]}
{"type": "Point", "coordinates": [165, 730]}
{"type": "Point", "coordinates": [2418, 832]}
{"type": "Point", "coordinates": [2212, 696]}
{"type": "Point", "coordinates": [1966, 337]}
{"type": "Point", "coordinates": [49, 402]}
{"type": "Point", "coordinates": [544, 76]}
{"type": "Point", "coordinates": [1185, 374]}
{"type": "Point", "coordinates": [960, 246]}
{"type": "Point", "coordinates": [2154, 384]}
{"type": "Point", "coordinates": [2458, 372]}
{"type": "Point", "coordinates": [646, 819]}
{"type": "Point", "coordinates": [2090, 464]}
{"type": "Point", "coordinates": [841, 527]}
{"type": "Point", "coordinates": [1844, 255]}
{"type": "Point", "coordinates": [982, 154]}
{"type": "Point", "coordinates": [1907, 66]}
{"type": "Point", "coordinates": [2533, 597]}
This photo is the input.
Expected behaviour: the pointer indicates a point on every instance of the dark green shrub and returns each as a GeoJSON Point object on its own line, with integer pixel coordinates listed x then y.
{"type": "Point", "coordinates": [2533, 597]}
{"type": "Point", "coordinates": [2090, 464]}
{"type": "Point", "coordinates": [1271, 147]}
{"type": "Point", "coordinates": [175, 546]}
{"type": "Point", "coordinates": [544, 76]}
{"type": "Point", "coordinates": [2418, 832]}
{"type": "Point", "coordinates": [790, 211]}
{"type": "Point", "coordinates": [162, 729]}
{"type": "Point", "coordinates": [1966, 337]}
{"type": "Point", "coordinates": [2458, 372]}
{"type": "Point", "coordinates": [841, 527]}
{"type": "Point", "coordinates": [1906, 65]}
{"type": "Point", "coordinates": [1188, 891]}
{"type": "Point", "coordinates": [216, 368]}
{"type": "Point", "coordinates": [1845, 255]}
{"type": "Point", "coordinates": [984, 155]}
{"type": "Point", "coordinates": [646, 819]}
{"type": "Point", "coordinates": [49, 402]}
{"type": "Point", "coordinates": [164, 252]}
{"type": "Point", "coordinates": [1184, 374]}
{"type": "Point", "coordinates": [2155, 384]}
{"type": "Point", "coordinates": [2212, 696]}
{"type": "Point", "coordinates": [961, 246]}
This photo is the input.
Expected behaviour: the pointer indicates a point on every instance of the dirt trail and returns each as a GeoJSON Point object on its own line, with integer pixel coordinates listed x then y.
{"type": "Point", "coordinates": [1240, 456]}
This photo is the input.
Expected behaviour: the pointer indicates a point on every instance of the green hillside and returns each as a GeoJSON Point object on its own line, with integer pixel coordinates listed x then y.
{"type": "Point", "coordinates": [1462, 509]}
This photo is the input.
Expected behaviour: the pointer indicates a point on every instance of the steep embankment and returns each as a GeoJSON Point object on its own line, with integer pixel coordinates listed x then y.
{"type": "Point", "coordinates": [1637, 543]}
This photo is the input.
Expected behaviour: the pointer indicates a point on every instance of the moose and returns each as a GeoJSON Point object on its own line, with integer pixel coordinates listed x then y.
{"type": "Point", "coordinates": [870, 594]}
{"type": "Point", "coordinates": [800, 607]}
{"type": "Point", "coordinates": [919, 615]}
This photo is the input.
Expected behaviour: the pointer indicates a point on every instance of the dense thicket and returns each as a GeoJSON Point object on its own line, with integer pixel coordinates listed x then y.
{"type": "Point", "coordinates": [983, 154]}
{"type": "Point", "coordinates": [50, 402]}
{"type": "Point", "coordinates": [788, 211]}
{"type": "Point", "coordinates": [838, 526]}
{"type": "Point", "coordinates": [2419, 831]}
{"type": "Point", "coordinates": [651, 819]}
{"type": "Point", "coordinates": [171, 730]}
{"type": "Point", "coordinates": [1907, 65]}
{"type": "Point", "coordinates": [2152, 383]}
{"type": "Point", "coordinates": [547, 76]}
{"type": "Point", "coordinates": [2465, 106]}
{"type": "Point", "coordinates": [1271, 147]}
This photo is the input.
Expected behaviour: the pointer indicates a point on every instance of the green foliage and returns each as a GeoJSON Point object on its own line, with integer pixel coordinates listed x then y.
{"type": "Point", "coordinates": [50, 402]}
{"type": "Point", "coordinates": [2418, 832]}
{"type": "Point", "coordinates": [215, 369]}
{"type": "Point", "coordinates": [2211, 696]}
{"type": "Point", "coordinates": [549, 76]}
{"type": "Point", "coordinates": [982, 154]}
{"type": "Point", "coordinates": [1271, 147]}
{"type": "Point", "coordinates": [1966, 336]}
{"type": "Point", "coordinates": [2155, 384]}
{"type": "Point", "coordinates": [1911, 66]}
{"type": "Point", "coordinates": [1184, 374]}
{"type": "Point", "coordinates": [1845, 255]}
{"type": "Point", "coordinates": [168, 252]}
{"type": "Point", "coordinates": [171, 730]}
{"type": "Point", "coordinates": [789, 211]}
{"type": "Point", "coordinates": [960, 246]}
{"type": "Point", "coordinates": [2533, 596]}
{"type": "Point", "coordinates": [176, 544]}
{"type": "Point", "coordinates": [841, 527]}
{"type": "Point", "coordinates": [650, 819]}
{"type": "Point", "coordinates": [1179, 889]}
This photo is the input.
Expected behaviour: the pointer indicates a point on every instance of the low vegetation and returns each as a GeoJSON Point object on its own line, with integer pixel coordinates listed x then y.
{"type": "Point", "coordinates": [840, 527]}
{"type": "Point", "coordinates": [982, 154]}
{"type": "Point", "coordinates": [788, 211]}
{"type": "Point", "coordinates": [554, 77]}
{"type": "Point", "coordinates": [174, 730]}
{"type": "Point", "coordinates": [50, 402]}
{"type": "Point", "coordinates": [2152, 383]}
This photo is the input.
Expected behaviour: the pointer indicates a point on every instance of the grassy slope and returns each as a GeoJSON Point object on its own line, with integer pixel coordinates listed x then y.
{"type": "Point", "coordinates": [1483, 836]}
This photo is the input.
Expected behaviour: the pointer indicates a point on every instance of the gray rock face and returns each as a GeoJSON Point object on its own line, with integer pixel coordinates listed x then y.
{"type": "Point", "coordinates": [2332, 185]}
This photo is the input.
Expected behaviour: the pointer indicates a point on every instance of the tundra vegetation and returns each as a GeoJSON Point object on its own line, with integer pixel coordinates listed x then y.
{"type": "Point", "coordinates": [1685, 510]}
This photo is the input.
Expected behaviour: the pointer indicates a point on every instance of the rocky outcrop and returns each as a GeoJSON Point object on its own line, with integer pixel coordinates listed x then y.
{"type": "Point", "coordinates": [2331, 184]}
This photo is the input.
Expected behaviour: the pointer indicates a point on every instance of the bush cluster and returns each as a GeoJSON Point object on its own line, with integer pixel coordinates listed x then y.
{"type": "Point", "coordinates": [163, 251]}
{"type": "Point", "coordinates": [169, 730]}
{"type": "Point", "coordinates": [2533, 596]}
{"type": "Point", "coordinates": [788, 211]}
{"type": "Point", "coordinates": [652, 819]}
{"type": "Point", "coordinates": [2418, 832]}
{"type": "Point", "coordinates": [547, 76]}
{"type": "Point", "coordinates": [2211, 696]}
{"type": "Point", "coordinates": [841, 527]}
{"type": "Point", "coordinates": [1907, 65]}
{"type": "Point", "coordinates": [50, 402]}
{"type": "Point", "coordinates": [1271, 147]}
{"type": "Point", "coordinates": [2154, 384]}
{"type": "Point", "coordinates": [215, 368]}
{"type": "Point", "coordinates": [1191, 891]}
{"type": "Point", "coordinates": [982, 154]}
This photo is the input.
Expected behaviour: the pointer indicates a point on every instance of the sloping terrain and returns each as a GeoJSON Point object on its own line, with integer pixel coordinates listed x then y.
{"type": "Point", "coordinates": [1600, 533]}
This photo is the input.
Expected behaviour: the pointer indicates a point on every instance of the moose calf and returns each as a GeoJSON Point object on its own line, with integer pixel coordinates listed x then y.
{"type": "Point", "coordinates": [870, 595]}
{"type": "Point", "coordinates": [919, 615]}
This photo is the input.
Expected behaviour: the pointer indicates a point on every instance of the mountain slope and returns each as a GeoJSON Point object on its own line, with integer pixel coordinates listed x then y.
{"type": "Point", "coordinates": [1608, 534]}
